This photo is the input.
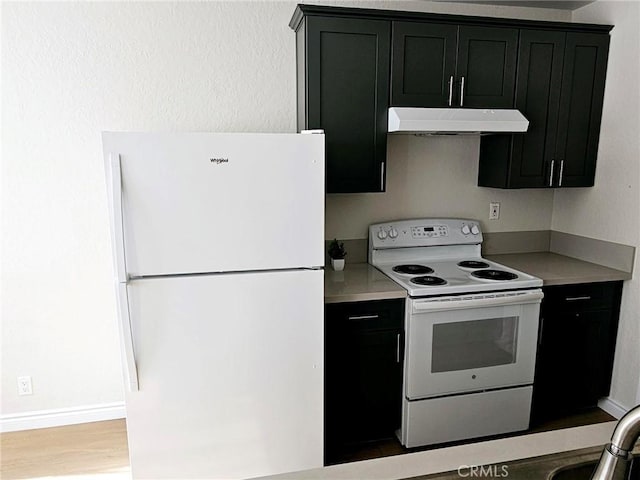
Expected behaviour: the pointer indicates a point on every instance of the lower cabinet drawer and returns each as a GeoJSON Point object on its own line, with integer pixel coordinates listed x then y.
{"type": "Point", "coordinates": [581, 297]}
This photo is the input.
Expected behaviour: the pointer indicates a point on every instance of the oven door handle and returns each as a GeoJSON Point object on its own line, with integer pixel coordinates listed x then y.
{"type": "Point", "coordinates": [515, 298]}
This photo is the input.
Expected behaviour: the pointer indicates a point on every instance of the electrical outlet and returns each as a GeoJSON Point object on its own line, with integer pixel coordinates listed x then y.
{"type": "Point", "coordinates": [494, 211]}
{"type": "Point", "coordinates": [24, 386]}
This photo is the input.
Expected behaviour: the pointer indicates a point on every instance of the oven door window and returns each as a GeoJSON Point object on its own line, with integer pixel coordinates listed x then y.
{"type": "Point", "coordinates": [474, 344]}
{"type": "Point", "coordinates": [470, 349]}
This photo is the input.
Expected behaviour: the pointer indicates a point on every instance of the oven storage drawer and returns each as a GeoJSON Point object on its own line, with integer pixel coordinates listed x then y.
{"type": "Point", "coordinates": [447, 419]}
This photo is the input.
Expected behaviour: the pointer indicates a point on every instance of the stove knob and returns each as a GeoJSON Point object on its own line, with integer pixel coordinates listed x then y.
{"type": "Point", "coordinates": [465, 229]}
{"type": "Point", "coordinates": [382, 234]}
{"type": "Point", "coordinates": [393, 233]}
{"type": "Point", "coordinates": [475, 230]}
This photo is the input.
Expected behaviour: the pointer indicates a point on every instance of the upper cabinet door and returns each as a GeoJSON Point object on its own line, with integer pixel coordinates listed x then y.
{"type": "Point", "coordinates": [537, 97]}
{"type": "Point", "coordinates": [581, 98]}
{"type": "Point", "coordinates": [486, 70]}
{"type": "Point", "coordinates": [348, 96]}
{"type": "Point", "coordinates": [423, 64]}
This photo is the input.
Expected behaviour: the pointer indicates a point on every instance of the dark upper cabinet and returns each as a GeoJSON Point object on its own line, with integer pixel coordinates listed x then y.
{"type": "Point", "coordinates": [354, 63]}
{"type": "Point", "coordinates": [440, 65]}
{"type": "Point", "coordinates": [581, 99]}
{"type": "Point", "coordinates": [486, 69]}
{"type": "Point", "coordinates": [560, 89]}
{"type": "Point", "coordinates": [343, 88]}
{"type": "Point", "coordinates": [423, 64]}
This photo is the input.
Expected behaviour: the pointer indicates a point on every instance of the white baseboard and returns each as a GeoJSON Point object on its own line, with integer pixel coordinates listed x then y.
{"type": "Point", "coordinates": [612, 407]}
{"type": "Point", "coordinates": [61, 416]}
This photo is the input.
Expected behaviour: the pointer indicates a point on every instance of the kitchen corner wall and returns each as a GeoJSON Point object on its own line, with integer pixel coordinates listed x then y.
{"type": "Point", "coordinates": [611, 210]}
{"type": "Point", "coordinates": [72, 70]}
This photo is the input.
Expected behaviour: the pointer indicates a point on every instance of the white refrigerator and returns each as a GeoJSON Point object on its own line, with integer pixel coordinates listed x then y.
{"type": "Point", "coordinates": [219, 246]}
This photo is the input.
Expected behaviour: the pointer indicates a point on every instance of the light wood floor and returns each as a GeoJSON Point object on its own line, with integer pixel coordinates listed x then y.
{"type": "Point", "coordinates": [98, 451]}
{"type": "Point", "coordinates": [90, 451]}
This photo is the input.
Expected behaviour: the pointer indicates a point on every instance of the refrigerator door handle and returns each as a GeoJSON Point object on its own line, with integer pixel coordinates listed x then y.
{"type": "Point", "coordinates": [117, 232]}
{"type": "Point", "coordinates": [126, 339]}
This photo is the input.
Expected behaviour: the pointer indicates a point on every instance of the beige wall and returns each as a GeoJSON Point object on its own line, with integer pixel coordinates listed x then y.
{"type": "Point", "coordinates": [436, 177]}
{"type": "Point", "coordinates": [611, 210]}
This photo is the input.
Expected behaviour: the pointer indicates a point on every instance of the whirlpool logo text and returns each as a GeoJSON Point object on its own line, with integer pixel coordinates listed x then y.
{"type": "Point", "coordinates": [218, 161]}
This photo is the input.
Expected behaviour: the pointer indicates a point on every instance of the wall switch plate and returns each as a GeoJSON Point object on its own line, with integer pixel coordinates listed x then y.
{"type": "Point", "coordinates": [494, 210]}
{"type": "Point", "coordinates": [24, 386]}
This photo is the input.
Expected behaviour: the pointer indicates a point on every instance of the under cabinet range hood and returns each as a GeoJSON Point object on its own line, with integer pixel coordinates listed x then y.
{"type": "Point", "coordinates": [435, 121]}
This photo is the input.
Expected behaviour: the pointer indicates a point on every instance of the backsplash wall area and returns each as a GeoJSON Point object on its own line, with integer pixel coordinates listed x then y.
{"type": "Point", "coordinates": [436, 176]}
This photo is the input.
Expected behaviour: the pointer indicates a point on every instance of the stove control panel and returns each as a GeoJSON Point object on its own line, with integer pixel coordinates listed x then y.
{"type": "Point", "coordinates": [429, 231]}
{"type": "Point", "coordinates": [425, 233]}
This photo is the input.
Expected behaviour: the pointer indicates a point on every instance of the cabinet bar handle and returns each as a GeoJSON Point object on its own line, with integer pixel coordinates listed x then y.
{"type": "Point", "coordinates": [398, 349]}
{"type": "Point", "coordinates": [382, 176]}
{"type": "Point", "coordinates": [450, 90]}
{"type": "Point", "coordinates": [363, 317]}
{"type": "Point", "coordinates": [541, 330]}
{"type": "Point", "coordinates": [561, 171]}
{"type": "Point", "coordinates": [576, 299]}
{"type": "Point", "coordinates": [551, 173]}
{"type": "Point", "coordinates": [462, 92]}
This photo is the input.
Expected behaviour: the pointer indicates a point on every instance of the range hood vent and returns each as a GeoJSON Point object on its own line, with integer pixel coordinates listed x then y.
{"type": "Point", "coordinates": [443, 121]}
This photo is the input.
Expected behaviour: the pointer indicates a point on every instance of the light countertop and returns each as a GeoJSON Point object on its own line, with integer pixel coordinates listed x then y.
{"type": "Point", "coordinates": [359, 282]}
{"type": "Point", "coordinates": [556, 269]}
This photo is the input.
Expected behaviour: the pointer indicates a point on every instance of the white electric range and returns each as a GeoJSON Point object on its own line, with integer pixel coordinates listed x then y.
{"type": "Point", "coordinates": [471, 329]}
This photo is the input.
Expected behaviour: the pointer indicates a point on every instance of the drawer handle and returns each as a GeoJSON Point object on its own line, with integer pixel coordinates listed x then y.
{"type": "Point", "coordinates": [363, 317]}
{"type": "Point", "coordinates": [575, 299]}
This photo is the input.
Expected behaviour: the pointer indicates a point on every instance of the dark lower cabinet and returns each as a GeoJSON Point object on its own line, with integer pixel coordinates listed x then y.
{"type": "Point", "coordinates": [343, 88]}
{"type": "Point", "coordinates": [578, 326]}
{"type": "Point", "coordinates": [560, 89]}
{"type": "Point", "coordinates": [363, 372]}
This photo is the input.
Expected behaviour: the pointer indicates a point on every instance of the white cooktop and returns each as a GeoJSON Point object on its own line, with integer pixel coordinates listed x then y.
{"type": "Point", "coordinates": [439, 244]}
{"type": "Point", "coordinates": [459, 280]}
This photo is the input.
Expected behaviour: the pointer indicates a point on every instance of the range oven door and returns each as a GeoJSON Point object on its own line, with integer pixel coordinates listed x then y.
{"type": "Point", "coordinates": [471, 343]}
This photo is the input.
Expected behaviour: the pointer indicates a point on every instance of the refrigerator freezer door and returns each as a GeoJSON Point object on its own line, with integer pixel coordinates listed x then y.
{"type": "Point", "coordinates": [204, 202]}
{"type": "Point", "coordinates": [230, 371]}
